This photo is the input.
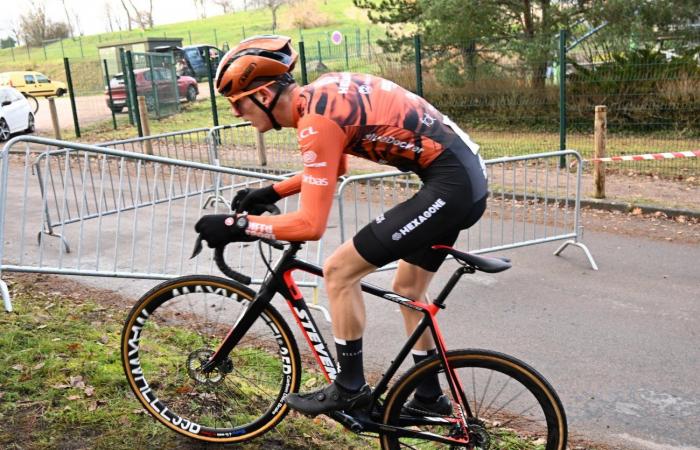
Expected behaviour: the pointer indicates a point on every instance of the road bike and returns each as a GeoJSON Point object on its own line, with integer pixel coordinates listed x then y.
{"type": "Point", "coordinates": [214, 360]}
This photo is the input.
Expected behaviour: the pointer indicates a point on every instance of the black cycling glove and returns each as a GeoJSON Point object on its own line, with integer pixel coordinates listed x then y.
{"type": "Point", "coordinates": [221, 229]}
{"type": "Point", "coordinates": [254, 201]}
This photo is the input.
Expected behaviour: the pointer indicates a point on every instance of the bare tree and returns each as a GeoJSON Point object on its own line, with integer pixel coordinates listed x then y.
{"type": "Point", "coordinates": [65, 10]}
{"type": "Point", "coordinates": [226, 5]}
{"type": "Point", "coordinates": [36, 27]}
{"type": "Point", "coordinates": [273, 6]}
{"type": "Point", "coordinates": [143, 17]}
{"type": "Point", "coordinates": [201, 8]}
{"type": "Point", "coordinates": [128, 15]}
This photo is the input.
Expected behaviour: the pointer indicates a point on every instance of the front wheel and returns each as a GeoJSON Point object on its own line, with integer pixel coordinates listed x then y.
{"type": "Point", "coordinates": [191, 94]}
{"type": "Point", "coordinates": [509, 405]}
{"type": "Point", "coordinates": [176, 327]}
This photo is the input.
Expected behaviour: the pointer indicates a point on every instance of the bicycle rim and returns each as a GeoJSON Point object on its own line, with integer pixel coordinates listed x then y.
{"type": "Point", "coordinates": [175, 328]}
{"type": "Point", "coordinates": [512, 406]}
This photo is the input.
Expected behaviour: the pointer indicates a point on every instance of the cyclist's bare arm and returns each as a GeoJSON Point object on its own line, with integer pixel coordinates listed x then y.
{"type": "Point", "coordinates": [322, 142]}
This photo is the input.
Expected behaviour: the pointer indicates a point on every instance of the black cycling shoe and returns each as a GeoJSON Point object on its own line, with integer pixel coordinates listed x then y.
{"type": "Point", "coordinates": [417, 407]}
{"type": "Point", "coordinates": [328, 399]}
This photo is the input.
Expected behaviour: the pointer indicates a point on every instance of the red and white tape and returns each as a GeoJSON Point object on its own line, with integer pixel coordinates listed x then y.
{"type": "Point", "coordinates": [646, 157]}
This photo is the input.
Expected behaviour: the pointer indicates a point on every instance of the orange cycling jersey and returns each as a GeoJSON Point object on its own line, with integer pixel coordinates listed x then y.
{"type": "Point", "coordinates": [364, 116]}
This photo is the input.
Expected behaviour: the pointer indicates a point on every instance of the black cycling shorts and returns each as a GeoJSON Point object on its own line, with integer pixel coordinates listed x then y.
{"type": "Point", "coordinates": [434, 215]}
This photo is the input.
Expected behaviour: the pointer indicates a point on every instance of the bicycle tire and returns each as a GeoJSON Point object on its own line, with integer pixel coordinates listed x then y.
{"type": "Point", "coordinates": [33, 103]}
{"type": "Point", "coordinates": [174, 328]}
{"type": "Point", "coordinates": [522, 406]}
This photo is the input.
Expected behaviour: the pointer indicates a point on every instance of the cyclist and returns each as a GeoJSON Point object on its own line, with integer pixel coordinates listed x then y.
{"type": "Point", "coordinates": [375, 119]}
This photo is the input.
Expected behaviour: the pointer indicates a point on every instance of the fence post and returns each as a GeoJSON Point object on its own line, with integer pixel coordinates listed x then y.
{"type": "Point", "coordinates": [601, 129]}
{"type": "Point", "coordinates": [13, 54]}
{"type": "Point", "coordinates": [302, 60]}
{"type": "Point", "coordinates": [127, 81]}
{"type": "Point", "coordinates": [109, 92]}
{"type": "Point", "coordinates": [358, 44]}
{"type": "Point", "coordinates": [419, 70]}
{"type": "Point", "coordinates": [212, 94]}
{"type": "Point", "coordinates": [54, 118]}
{"type": "Point", "coordinates": [318, 46]}
{"type": "Point", "coordinates": [260, 145]}
{"type": "Point", "coordinates": [190, 33]}
{"type": "Point", "coordinates": [80, 41]}
{"type": "Point", "coordinates": [243, 29]}
{"type": "Point", "coordinates": [216, 39]}
{"type": "Point", "coordinates": [43, 45]}
{"type": "Point", "coordinates": [347, 60]}
{"type": "Point", "coordinates": [71, 93]}
{"type": "Point", "coordinates": [63, 52]}
{"type": "Point", "coordinates": [562, 96]}
{"type": "Point", "coordinates": [143, 112]}
{"type": "Point", "coordinates": [133, 92]}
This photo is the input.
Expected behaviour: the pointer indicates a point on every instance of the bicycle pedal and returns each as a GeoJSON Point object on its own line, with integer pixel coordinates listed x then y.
{"type": "Point", "coordinates": [347, 421]}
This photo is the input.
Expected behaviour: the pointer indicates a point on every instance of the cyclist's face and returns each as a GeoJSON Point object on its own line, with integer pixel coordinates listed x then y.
{"type": "Point", "coordinates": [245, 109]}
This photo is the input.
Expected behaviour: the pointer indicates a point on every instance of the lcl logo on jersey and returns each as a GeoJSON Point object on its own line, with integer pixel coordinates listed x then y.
{"type": "Point", "coordinates": [306, 132]}
{"type": "Point", "coordinates": [309, 157]}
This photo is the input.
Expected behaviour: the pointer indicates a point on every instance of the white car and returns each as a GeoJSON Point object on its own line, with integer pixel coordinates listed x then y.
{"type": "Point", "coordinates": [15, 113]}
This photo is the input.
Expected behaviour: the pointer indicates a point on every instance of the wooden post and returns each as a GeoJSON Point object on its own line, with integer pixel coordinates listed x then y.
{"type": "Point", "coordinates": [601, 129]}
{"type": "Point", "coordinates": [54, 118]}
{"type": "Point", "coordinates": [143, 111]}
{"type": "Point", "coordinates": [260, 145]}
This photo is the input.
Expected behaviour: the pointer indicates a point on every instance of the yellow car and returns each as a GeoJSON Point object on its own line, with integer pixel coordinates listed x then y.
{"type": "Point", "coordinates": [33, 83]}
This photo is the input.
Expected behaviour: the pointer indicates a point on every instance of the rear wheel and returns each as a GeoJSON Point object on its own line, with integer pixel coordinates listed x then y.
{"type": "Point", "coordinates": [4, 130]}
{"type": "Point", "coordinates": [175, 328]}
{"type": "Point", "coordinates": [60, 92]}
{"type": "Point", "coordinates": [191, 94]}
{"type": "Point", "coordinates": [30, 124]}
{"type": "Point", "coordinates": [510, 406]}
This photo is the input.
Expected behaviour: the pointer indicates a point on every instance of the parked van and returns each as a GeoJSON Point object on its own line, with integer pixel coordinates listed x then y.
{"type": "Point", "coordinates": [191, 60]}
{"type": "Point", "coordinates": [33, 83]}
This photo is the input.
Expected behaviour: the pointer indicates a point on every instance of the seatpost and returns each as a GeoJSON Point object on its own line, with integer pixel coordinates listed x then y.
{"type": "Point", "coordinates": [440, 299]}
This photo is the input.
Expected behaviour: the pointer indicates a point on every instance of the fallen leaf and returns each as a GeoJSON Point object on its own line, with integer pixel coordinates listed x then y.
{"type": "Point", "coordinates": [636, 211]}
{"type": "Point", "coordinates": [74, 346]}
{"type": "Point", "coordinates": [77, 382]}
{"type": "Point", "coordinates": [92, 406]}
{"type": "Point", "coordinates": [104, 339]}
{"type": "Point", "coordinates": [89, 391]}
{"type": "Point", "coordinates": [61, 386]}
{"type": "Point", "coordinates": [311, 382]}
{"type": "Point", "coordinates": [41, 327]}
{"type": "Point", "coordinates": [18, 367]}
{"type": "Point", "coordinates": [74, 397]}
{"type": "Point", "coordinates": [38, 366]}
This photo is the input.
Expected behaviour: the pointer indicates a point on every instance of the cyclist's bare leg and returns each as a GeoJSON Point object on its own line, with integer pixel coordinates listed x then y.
{"type": "Point", "coordinates": [412, 282]}
{"type": "Point", "coordinates": [342, 273]}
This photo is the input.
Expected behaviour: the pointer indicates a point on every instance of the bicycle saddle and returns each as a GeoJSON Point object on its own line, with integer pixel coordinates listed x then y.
{"type": "Point", "coordinates": [484, 264]}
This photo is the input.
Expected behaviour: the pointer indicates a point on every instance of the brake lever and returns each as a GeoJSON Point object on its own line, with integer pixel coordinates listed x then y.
{"type": "Point", "coordinates": [197, 247]}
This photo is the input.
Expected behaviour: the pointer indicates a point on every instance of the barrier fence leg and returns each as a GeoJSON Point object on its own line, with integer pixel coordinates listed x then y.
{"type": "Point", "coordinates": [583, 247]}
{"type": "Point", "coordinates": [5, 296]}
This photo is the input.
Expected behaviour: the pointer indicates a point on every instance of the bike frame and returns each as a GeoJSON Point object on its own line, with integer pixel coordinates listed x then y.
{"type": "Point", "coordinates": [280, 280]}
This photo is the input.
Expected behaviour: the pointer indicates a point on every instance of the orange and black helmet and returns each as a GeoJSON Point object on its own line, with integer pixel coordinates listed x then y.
{"type": "Point", "coordinates": [259, 58]}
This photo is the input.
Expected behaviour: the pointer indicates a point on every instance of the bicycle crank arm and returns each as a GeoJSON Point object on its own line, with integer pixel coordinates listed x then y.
{"type": "Point", "coordinates": [425, 436]}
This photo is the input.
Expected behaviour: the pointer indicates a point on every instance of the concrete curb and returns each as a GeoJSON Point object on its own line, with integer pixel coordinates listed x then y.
{"type": "Point", "coordinates": [611, 205]}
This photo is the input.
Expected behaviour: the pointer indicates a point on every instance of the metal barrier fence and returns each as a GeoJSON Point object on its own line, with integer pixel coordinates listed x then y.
{"type": "Point", "coordinates": [131, 215]}
{"type": "Point", "coordinates": [188, 145]}
{"type": "Point", "coordinates": [241, 145]}
{"type": "Point", "coordinates": [533, 201]}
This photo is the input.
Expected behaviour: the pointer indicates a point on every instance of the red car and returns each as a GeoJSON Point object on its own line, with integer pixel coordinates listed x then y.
{"type": "Point", "coordinates": [187, 89]}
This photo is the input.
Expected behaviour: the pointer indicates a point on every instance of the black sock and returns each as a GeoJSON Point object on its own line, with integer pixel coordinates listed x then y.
{"type": "Point", "coordinates": [351, 376]}
{"type": "Point", "coordinates": [429, 389]}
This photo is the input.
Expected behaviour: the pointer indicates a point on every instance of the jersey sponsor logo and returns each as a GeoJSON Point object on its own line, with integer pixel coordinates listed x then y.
{"type": "Point", "coordinates": [261, 230]}
{"type": "Point", "coordinates": [391, 140]}
{"type": "Point", "coordinates": [318, 164]}
{"type": "Point", "coordinates": [306, 132]}
{"type": "Point", "coordinates": [380, 219]}
{"type": "Point", "coordinates": [308, 179]}
{"type": "Point", "coordinates": [309, 156]}
{"type": "Point", "coordinates": [415, 223]}
{"type": "Point", "coordinates": [344, 85]}
{"type": "Point", "coordinates": [428, 120]}
{"type": "Point", "coordinates": [386, 85]}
